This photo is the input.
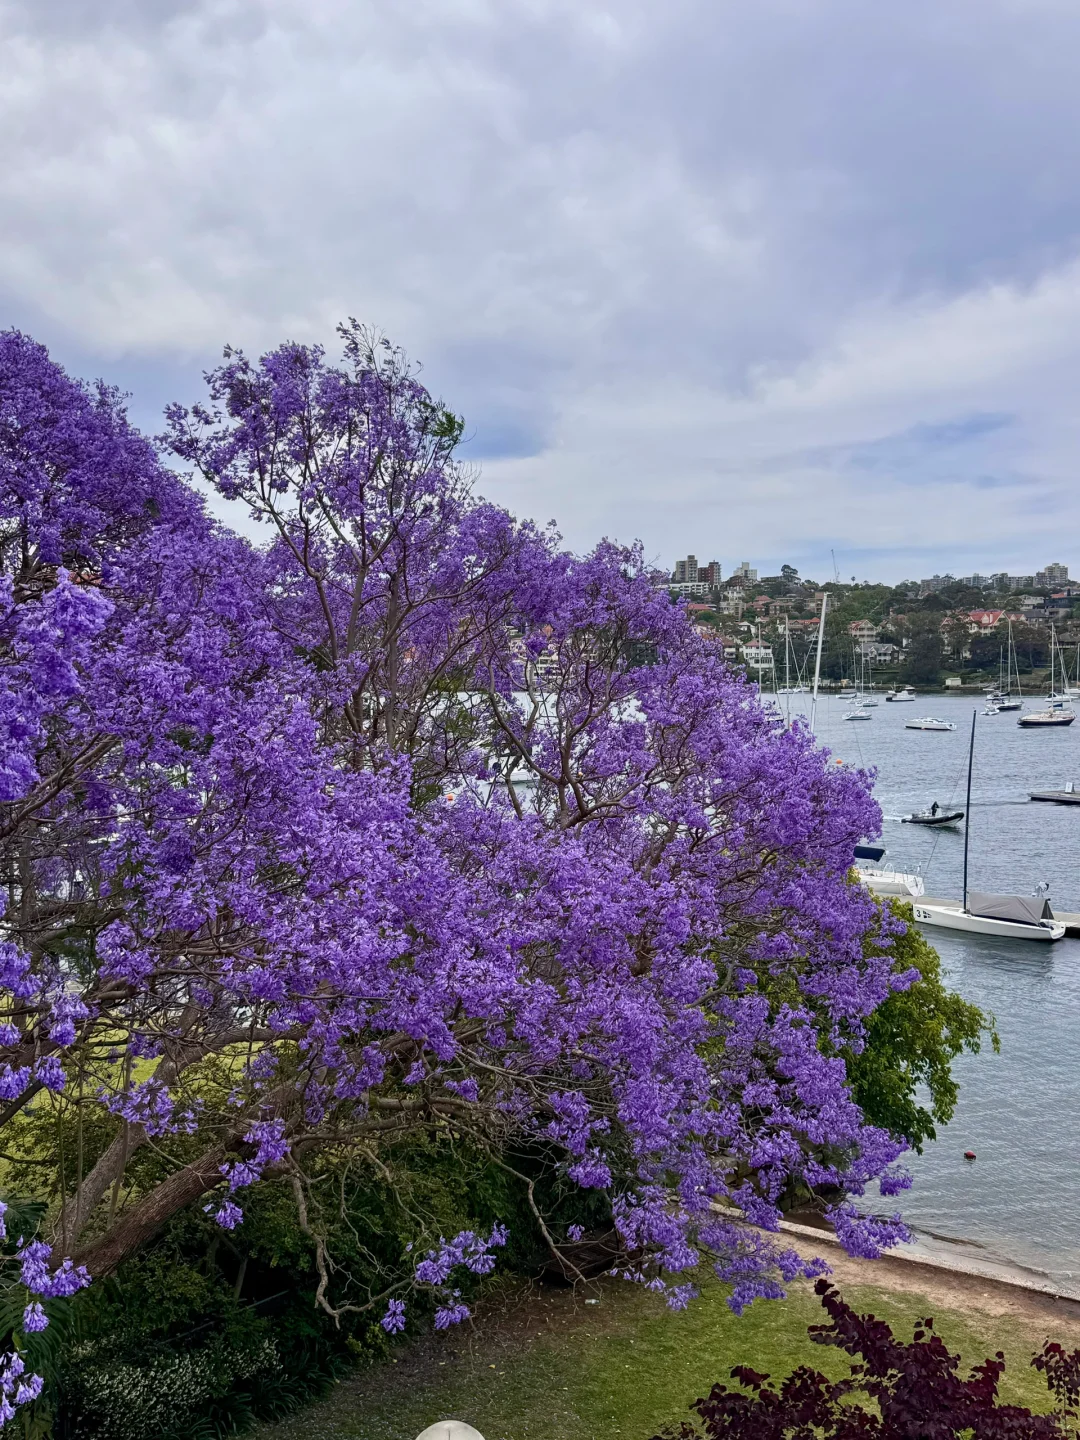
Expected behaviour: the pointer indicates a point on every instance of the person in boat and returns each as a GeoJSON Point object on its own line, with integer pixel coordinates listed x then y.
{"type": "Point", "coordinates": [934, 808]}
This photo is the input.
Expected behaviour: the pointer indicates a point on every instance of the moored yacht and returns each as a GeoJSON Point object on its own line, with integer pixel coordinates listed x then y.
{"type": "Point", "coordinates": [1012, 917]}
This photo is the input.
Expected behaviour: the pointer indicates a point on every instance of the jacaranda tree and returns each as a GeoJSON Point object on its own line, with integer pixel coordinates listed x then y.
{"type": "Point", "coordinates": [404, 821]}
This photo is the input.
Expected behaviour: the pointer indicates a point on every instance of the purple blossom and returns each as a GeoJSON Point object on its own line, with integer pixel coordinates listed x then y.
{"type": "Point", "coordinates": [394, 1319]}
{"type": "Point", "coordinates": [50, 1073]}
{"type": "Point", "coordinates": [234, 753]}
{"type": "Point", "coordinates": [227, 1214]}
{"type": "Point", "coordinates": [34, 1317]}
{"type": "Point", "coordinates": [14, 1082]}
{"type": "Point", "coordinates": [35, 1274]}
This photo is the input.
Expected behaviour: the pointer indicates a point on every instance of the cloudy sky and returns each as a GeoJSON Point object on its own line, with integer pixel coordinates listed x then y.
{"type": "Point", "coordinates": [753, 278]}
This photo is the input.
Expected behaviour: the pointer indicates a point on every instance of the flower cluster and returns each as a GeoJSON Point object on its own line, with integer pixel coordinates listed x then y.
{"type": "Point", "coordinates": [467, 1251]}
{"type": "Point", "coordinates": [631, 941]}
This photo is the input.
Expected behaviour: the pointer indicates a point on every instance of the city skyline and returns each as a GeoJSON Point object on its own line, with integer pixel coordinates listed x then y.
{"type": "Point", "coordinates": [694, 577]}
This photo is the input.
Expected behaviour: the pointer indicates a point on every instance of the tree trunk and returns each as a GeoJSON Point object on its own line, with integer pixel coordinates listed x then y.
{"type": "Point", "coordinates": [141, 1223]}
{"type": "Point", "coordinates": [110, 1167]}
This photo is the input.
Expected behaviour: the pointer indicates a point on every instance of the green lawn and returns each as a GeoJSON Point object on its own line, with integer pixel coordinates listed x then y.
{"type": "Point", "coordinates": [547, 1367]}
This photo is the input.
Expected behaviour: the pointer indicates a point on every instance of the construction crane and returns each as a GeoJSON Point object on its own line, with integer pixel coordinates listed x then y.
{"type": "Point", "coordinates": [835, 567]}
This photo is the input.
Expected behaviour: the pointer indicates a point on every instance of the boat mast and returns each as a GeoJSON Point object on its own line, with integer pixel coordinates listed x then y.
{"type": "Point", "coordinates": [967, 807]}
{"type": "Point", "coordinates": [1053, 688]}
{"type": "Point", "coordinates": [817, 662]}
{"type": "Point", "coordinates": [1014, 663]}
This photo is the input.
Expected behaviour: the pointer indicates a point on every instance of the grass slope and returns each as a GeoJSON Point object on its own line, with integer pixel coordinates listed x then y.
{"type": "Point", "coordinates": [543, 1365]}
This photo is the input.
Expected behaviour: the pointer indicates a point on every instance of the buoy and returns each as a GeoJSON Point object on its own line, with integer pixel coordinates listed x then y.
{"type": "Point", "coordinates": [969, 1154]}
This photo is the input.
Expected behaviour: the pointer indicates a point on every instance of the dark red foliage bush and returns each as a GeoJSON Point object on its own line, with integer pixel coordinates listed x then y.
{"type": "Point", "coordinates": [915, 1392]}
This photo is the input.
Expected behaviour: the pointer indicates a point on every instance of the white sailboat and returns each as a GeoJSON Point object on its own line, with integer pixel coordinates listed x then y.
{"type": "Point", "coordinates": [1073, 691]}
{"type": "Point", "coordinates": [787, 688]}
{"type": "Point", "coordinates": [1011, 917]}
{"type": "Point", "coordinates": [1009, 701]}
{"type": "Point", "coordinates": [864, 696]}
{"type": "Point", "coordinates": [1058, 710]}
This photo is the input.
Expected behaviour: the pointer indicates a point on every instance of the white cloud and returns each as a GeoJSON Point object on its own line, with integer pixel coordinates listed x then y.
{"type": "Point", "coordinates": [673, 262]}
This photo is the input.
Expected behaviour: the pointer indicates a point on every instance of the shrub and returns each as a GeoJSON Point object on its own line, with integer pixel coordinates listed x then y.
{"type": "Point", "coordinates": [914, 1390]}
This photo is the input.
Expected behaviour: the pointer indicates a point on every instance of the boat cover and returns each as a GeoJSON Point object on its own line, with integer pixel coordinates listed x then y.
{"type": "Point", "coordinates": [1027, 909]}
{"type": "Point", "coordinates": [869, 852]}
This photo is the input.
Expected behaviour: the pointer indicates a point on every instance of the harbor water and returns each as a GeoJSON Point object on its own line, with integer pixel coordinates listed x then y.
{"type": "Point", "coordinates": [1018, 1203]}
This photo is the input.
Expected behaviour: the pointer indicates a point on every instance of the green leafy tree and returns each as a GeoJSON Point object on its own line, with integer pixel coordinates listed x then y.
{"type": "Point", "coordinates": [911, 1041]}
{"type": "Point", "coordinates": [922, 660]}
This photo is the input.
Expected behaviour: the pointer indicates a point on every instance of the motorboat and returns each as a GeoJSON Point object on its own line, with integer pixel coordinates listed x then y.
{"type": "Point", "coordinates": [929, 722]}
{"type": "Point", "coordinates": [990, 708]}
{"type": "Point", "coordinates": [880, 881]}
{"type": "Point", "coordinates": [895, 696]}
{"type": "Point", "coordinates": [1010, 917]}
{"type": "Point", "coordinates": [1013, 917]}
{"type": "Point", "coordinates": [934, 816]}
{"type": "Point", "coordinates": [891, 882]}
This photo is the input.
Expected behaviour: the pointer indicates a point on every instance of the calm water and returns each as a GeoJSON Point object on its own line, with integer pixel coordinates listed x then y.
{"type": "Point", "coordinates": [1019, 1111]}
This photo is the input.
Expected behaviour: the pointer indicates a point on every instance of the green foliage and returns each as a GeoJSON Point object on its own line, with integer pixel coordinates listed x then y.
{"type": "Point", "coordinates": [911, 1041]}
{"type": "Point", "coordinates": [922, 660]}
{"type": "Point", "coordinates": [205, 1331]}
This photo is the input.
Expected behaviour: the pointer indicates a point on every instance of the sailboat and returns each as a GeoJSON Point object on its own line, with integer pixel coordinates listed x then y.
{"type": "Point", "coordinates": [864, 697]}
{"type": "Point", "coordinates": [1073, 691]}
{"type": "Point", "coordinates": [1012, 917]}
{"type": "Point", "coordinates": [999, 701]}
{"type": "Point", "coordinates": [1058, 707]}
{"type": "Point", "coordinates": [787, 688]}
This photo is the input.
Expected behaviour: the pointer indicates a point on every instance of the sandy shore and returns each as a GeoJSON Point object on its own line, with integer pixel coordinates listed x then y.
{"type": "Point", "coordinates": [974, 1285]}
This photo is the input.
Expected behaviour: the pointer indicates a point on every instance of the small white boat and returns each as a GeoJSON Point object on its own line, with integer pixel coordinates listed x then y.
{"type": "Point", "coordinates": [891, 882]}
{"type": "Point", "coordinates": [857, 714]}
{"type": "Point", "coordinates": [991, 709]}
{"type": "Point", "coordinates": [1010, 917]}
{"type": "Point", "coordinates": [895, 696]}
{"type": "Point", "coordinates": [1009, 923]}
{"type": "Point", "coordinates": [929, 722]}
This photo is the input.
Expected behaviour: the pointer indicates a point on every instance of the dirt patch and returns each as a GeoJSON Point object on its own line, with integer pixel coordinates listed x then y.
{"type": "Point", "coordinates": [970, 1294]}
